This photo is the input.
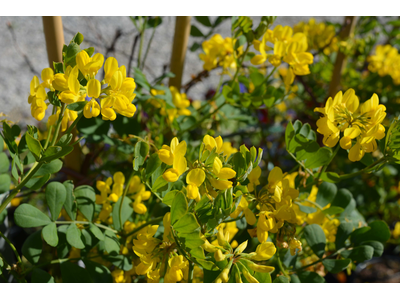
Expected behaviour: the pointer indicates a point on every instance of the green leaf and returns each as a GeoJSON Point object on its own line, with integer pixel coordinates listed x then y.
{"type": "Point", "coordinates": [333, 210]}
{"type": "Point", "coordinates": [315, 238]}
{"type": "Point", "coordinates": [78, 38]}
{"type": "Point", "coordinates": [74, 236]}
{"type": "Point", "coordinates": [281, 279]}
{"type": "Point", "coordinates": [379, 231]}
{"type": "Point", "coordinates": [63, 247]}
{"type": "Point", "coordinates": [359, 254]}
{"type": "Point", "coordinates": [204, 20]}
{"type": "Point", "coordinates": [53, 99]}
{"type": "Point", "coordinates": [194, 31]}
{"type": "Point", "coordinates": [34, 146]}
{"type": "Point", "coordinates": [343, 232]}
{"type": "Point", "coordinates": [111, 242]}
{"type": "Point", "coordinates": [120, 261]}
{"type": "Point", "coordinates": [99, 273]}
{"type": "Point", "coordinates": [153, 164]}
{"type": "Point", "coordinates": [58, 67]}
{"type": "Point", "coordinates": [186, 224]}
{"type": "Point", "coordinates": [141, 151]}
{"type": "Point", "coordinates": [191, 240]}
{"type": "Point", "coordinates": [55, 152]}
{"type": "Point", "coordinates": [50, 236]}
{"type": "Point", "coordinates": [263, 277]}
{"type": "Point", "coordinates": [159, 183]}
{"type": "Point", "coordinates": [89, 51]}
{"type": "Point", "coordinates": [179, 207]}
{"type": "Point", "coordinates": [77, 106]}
{"type": "Point", "coordinates": [321, 158]}
{"type": "Point", "coordinates": [96, 232]}
{"type": "Point", "coordinates": [5, 182]}
{"type": "Point", "coordinates": [306, 209]}
{"type": "Point", "coordinates": [49, 168]}
{"type": "Point", "coordinates": [32, 247]}
{"type": "Point", "coordinates": [170, 196]}
{"type": "Point", "coordinates": [40, 276]}
{"type": "Point", "coordinates": [65, 140]}
{"type": "Point", "coordinates": [70, 54]}
{"type": "Point", "coordinates": [330, 177]}
{"type": "Point", "coordinates": [55, 197]}
{"type": "Point", "coordinates": [72, 273]}
{"type": "Point", "coordinates": [326, 193]}
{"type": "Point", "coordinates": [36, 183]}
{"type": "Point", "coordinates": [4, 162]}
{"type": "Point", "coordinates": [336, 265]}
{"type": "Point", "coordinates": [27, 216]}
{"type": "Point", "coordinates": [310, 277]}
{"type": "Point", "coordinates": [378, 247]}
{"type": "Point", "coordinates": [85, 198]}
{"type": "Point", "coordinates": [126, 212]}
{"type": "Point", "coordinates": [70, 204]}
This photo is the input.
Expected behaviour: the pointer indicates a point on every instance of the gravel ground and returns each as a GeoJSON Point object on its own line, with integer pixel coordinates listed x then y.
{"type": "Point", "coordinates": [23, 52]}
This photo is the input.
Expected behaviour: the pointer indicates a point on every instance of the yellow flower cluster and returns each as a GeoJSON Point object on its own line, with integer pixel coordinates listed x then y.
{"type": "Point", "coordinates": [274, 202]}
{"type": "Point", "coordinates": [180, 101]}
{"type": "Point", "coordinates": [288, 47]}
{"type": "Point", "coordinates": [361, 123]}
{"type": "Point", "coordinates": [219, 52]}
{"type": "Point", "coordinates": [202, 178]}
{"type": "Point", "coordinates": [386, 61]}
{"type": "Point", "coordinates": [78, 83]}
{"type": "Point", "coordinates": [320, 36]}
{"type": "Point", "coordinates": [109, 195]}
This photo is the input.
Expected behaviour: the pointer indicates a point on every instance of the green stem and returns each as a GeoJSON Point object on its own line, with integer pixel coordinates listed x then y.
{"type": "Point", "coordinates": [123, 197]}
{"type": "Point", "coordinates": [70, 128]}
{"type": "Point", "coordinates": [191, 269]}
{"type": "Point", "coordinates": [148, 47]}
{"type": "Point", "coordinates": [141, 40]}
{"type": "Point", "coordinates": [36, 166]}
{"type": "Point", "coordinates": [12, 247]}
{"type": "Point", "coordinates": [58, 127]}
{"type": "Point", "coordinates": [347, 176]}
{"type": "Point", "coordinates": [154, 193]}
{"type": "Point", "coordinates": [232, 220]}
{"type": "Point", "coordinates": [151, 222]}
{"type": "Point", "coordinates": [270, 74]}
{"type": "Point", "coordinates": [86, 222]}
{"type": "Point", "coordinates": [326, 166]}
{"type": "Point", "coordinates": [301, 164]}
{"type": "Point", "coordinates": [319, 260]}
{"type": "Point", "coordinates": [282, 268]}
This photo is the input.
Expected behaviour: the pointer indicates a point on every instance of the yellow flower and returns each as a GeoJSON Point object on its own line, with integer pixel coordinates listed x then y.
{"type": "Point", "coordinates": [264, 251]}
{"type": "Point", "coordinates": [72, 93]}
{"type": "Point", "coordinates": [254, 178]}
{"type": "Point", "coordinates": [396, 231]}
{"type": "Point", "coordinates": [194, 179]}
{"type": "Point", "coordinates": [92, 108]}
{"type": "Point", "coordinates": [68, 117]}
{"type": "Point", "coordinates": [175, 272]}
{"type": "Point", "coordinates": [89, 66]}
{"type": "Point", "coordinates": [293, 245]}
{"type": "Point", "coordinates": [386, 61]}
{"type": "Point", "coordinates": [119, 93]}
{"type": "Point", "coordinates": [174, 155]}
{"type": "Point", "coordinates": [361, 123]}
{"type": "Point", "coordinates": [37, 99]}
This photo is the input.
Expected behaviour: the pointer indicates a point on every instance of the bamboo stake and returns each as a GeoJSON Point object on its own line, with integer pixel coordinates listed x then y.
{"type": "Point", "coordinates": [54, 34]}
{"type": "Point", "coordinates": [340, 64]}
{"type": "Point", "coordinates": [181, 37]}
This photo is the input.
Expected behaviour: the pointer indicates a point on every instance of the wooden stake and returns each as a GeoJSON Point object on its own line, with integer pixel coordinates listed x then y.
{"type": "Point", "coordinates": [340, 64]}
{"type": "Point", "coordinates": [54, 34]}
{"type": "Point", "coordinates": [179, 48]}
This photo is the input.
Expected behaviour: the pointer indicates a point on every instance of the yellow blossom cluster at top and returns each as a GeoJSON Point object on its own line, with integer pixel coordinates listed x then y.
{"type": "Point", "coordinates": [287, 47]}
{"type": "Point", "coordinates": [386, 61]}
{"type": "Point", "coordinates": [78, 83]}
{"type": "Point", "coordinates": [360, 123]}
{"type": "Point", "coordinates": [320, 36]}
{"type": "Point", "coordinates": [219, 52]}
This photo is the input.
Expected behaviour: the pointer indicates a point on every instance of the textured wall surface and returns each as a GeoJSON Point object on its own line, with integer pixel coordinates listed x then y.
{"type": "Point", "coordinates": [23, 52]}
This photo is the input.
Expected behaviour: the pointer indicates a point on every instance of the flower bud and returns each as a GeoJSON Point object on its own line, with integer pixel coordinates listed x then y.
{"type": "Point", "coordinates": [219, 256]}
{"type": "Point", "coordinates": [249, 277]}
